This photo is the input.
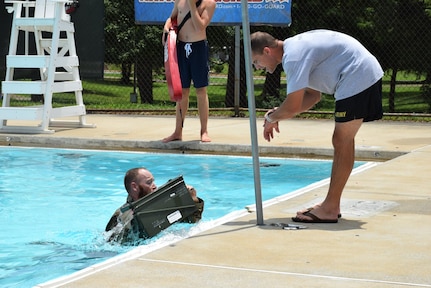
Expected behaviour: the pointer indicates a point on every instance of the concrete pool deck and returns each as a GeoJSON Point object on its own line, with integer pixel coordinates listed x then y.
{"type": "Point", "coordinates": [382, 240]}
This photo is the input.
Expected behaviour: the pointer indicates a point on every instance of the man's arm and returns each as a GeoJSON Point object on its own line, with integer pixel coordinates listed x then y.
{"type": "Point", "coordinates": [197, 215]}
{"type": "Point", "coordinates": [168, 23]}
{"type": "Point", "coordinates": [113, 221]}
{"type": "Point", "coordinates": [295, 103]}
{"type": "Point", "coordinates": [201, 21]}
{"type": "Point", "coordinates": [311, 97]}
{"type": "Point", "coordinates": [292, 105]}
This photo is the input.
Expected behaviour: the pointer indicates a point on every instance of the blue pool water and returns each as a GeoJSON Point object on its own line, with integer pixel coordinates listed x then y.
{"type": "Point", "coordinates": [55, 203]}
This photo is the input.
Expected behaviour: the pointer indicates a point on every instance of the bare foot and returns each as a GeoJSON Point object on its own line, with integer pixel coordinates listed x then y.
{"type": "Point", "coordinates": [205, 137]}
{"type": "Point", "coordinates": [308, 209]}
{"type": "Point", "coordinates": [173, 137]}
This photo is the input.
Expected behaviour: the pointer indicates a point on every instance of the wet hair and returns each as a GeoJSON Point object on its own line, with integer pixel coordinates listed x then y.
{"type": "Point", "coordinates": [131, 176]}
{"type": "Point", "coordinates": [260, 40]}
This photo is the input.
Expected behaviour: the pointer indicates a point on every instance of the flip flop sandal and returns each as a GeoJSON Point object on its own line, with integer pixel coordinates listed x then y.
{"type": "Point", "coordinates": [314, 219]}
{"type": "Point", "coordinates": [311, 208]}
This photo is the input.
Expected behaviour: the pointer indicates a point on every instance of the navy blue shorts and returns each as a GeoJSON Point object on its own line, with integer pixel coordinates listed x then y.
{"type": "Point", "coordinates": [366, 105]}
{"type": "Point", "coordinates": [193, 63]}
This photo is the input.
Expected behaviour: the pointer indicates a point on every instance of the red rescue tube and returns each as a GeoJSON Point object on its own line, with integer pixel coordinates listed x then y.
{"type": "Point", "coordinates": [171, 67]}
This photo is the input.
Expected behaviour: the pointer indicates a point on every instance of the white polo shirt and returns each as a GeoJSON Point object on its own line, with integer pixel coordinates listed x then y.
{"type": "Point", "coordinates": [330, 62]}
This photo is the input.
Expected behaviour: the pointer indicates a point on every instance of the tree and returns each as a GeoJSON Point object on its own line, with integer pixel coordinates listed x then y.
{"type": "Point", "coordinates": [148, 58]}
{"type": "Point", "coordinates": [230, 87]}
{"type": "Point", "coordinates": [399, 38]}
{"type": "Point", "coordinates": [119, 36]}
{"type": "Point", "coordinates": [128, 44]}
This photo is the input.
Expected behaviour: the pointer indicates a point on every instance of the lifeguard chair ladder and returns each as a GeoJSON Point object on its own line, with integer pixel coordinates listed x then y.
{"type": "Point", "coordinates": [56, 60]}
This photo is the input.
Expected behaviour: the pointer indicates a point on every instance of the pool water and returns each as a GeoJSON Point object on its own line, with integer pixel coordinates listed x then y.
{"type": "Point", "coordinates": [55, 203]}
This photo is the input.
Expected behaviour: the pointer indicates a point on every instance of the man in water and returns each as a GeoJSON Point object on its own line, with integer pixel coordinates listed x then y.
{"type": "Point", "coordinates": [139, 182]}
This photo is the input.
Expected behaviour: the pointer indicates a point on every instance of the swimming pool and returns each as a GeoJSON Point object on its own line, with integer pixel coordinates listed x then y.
{"type": "Point", "coordinates": [55, 203]}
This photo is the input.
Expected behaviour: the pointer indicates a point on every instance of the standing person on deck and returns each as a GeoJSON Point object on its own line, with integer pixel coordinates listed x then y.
{"type": "Point", "coordinates": [193, 60]}
{"type": "Point", "coordinates": [333, 63]}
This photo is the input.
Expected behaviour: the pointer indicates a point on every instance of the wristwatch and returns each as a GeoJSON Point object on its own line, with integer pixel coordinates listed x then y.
{"type": "Point", "coordinates": [268, 119]}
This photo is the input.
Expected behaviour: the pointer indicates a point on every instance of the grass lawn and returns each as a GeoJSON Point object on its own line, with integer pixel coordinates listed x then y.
{"type": "Point", "coordinates": [109, 94]}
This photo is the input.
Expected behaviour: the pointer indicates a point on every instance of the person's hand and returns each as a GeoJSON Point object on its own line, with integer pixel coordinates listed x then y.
{"type": "Point", "coordinates": [269, 126]}
{"type": "Point", "coordinates": [193, 193]}
{"type": "Point", "coordinates": [166, 29]}
{"type": "Point", "coordinates": [164, 36]}
{"type": "Point", "coordinates": [268, 130]}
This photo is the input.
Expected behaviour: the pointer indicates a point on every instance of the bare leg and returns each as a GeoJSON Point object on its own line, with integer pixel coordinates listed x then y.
{"type": "Point", "coordinates": [343, 141]}
{"type": "Point", "coordinates": [180, 115]}
{"type": "Point", "coordinates": [203, 107]}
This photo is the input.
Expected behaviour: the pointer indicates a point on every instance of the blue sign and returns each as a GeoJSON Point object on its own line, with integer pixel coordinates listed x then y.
{"type": "Point", "coordinates": [227, 12]}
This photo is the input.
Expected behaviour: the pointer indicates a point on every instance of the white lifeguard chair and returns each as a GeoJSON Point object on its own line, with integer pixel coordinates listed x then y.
{"type": "Point", "coordinates": [56, 60]}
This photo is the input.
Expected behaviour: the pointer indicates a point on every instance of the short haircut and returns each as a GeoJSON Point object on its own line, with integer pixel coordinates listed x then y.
{"type": "Point", "coordinates": [260, 40]}
{"type": "Point", "coordinates": [131, 176]}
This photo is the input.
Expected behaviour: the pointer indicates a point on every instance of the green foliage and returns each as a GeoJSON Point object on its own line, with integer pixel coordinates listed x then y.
{"type": "Point", "coordinates": [218, 68]}
{"type": "Point", "coordinates": [426, 94]}
{"type": "Point", "coordinates": [270, 102]}
{"type": "Point", "coordinates": [110, 94]}
{"type": "Point", "coordinates": [120, 26]}
{"type": "Point", "coordinates": [129, 43]}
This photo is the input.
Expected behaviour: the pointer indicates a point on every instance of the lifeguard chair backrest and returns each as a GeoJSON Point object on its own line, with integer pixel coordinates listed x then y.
{"type": "Point", "coordinates": [46, 9]}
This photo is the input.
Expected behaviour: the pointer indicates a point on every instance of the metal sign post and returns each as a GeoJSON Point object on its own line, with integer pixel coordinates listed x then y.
{"type": "Point", "coordinates": [252, 112]}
